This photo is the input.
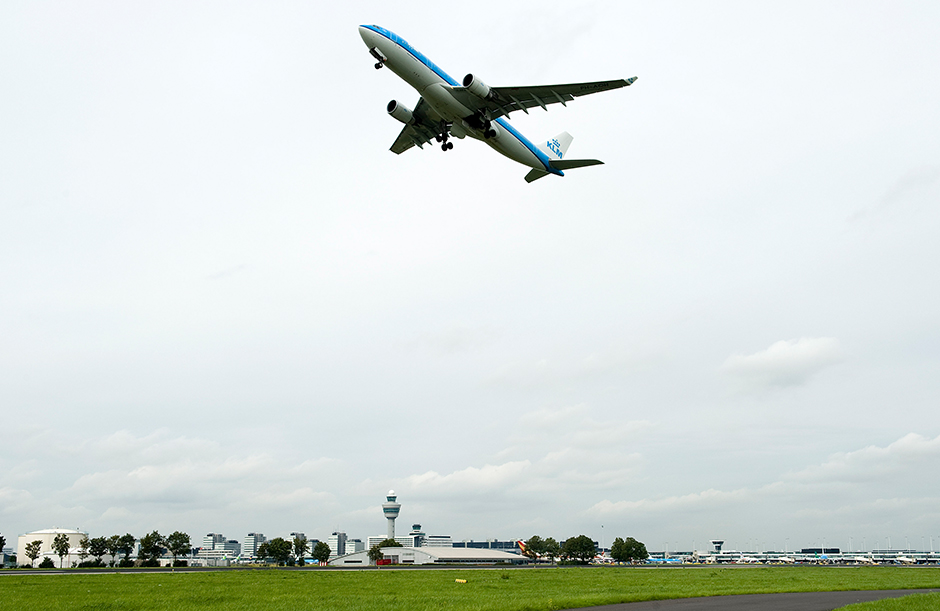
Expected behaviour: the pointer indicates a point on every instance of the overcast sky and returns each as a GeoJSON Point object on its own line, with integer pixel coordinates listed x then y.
{"type": "Point", "coordinates": [225, 306]}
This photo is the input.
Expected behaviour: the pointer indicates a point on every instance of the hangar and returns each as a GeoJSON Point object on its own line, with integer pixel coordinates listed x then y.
{"type": "Point", "coordinates": [432, 555]}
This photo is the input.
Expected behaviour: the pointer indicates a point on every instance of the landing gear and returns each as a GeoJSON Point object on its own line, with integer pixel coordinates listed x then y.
{"type": "Point", "coordinates": [443, 136]}
{"type": "Point", "coordinates": [488, 131]}
{"type": "Point", "coordinates": [380, 59]}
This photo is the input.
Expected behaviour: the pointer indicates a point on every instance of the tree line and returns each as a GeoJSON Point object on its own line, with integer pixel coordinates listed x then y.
{"type": "Point", "coordinates": [582, 549]}
{"type": "Point", "coordinates": [153, 546]}
{"type": "Point", "coordinates": [293, 552]}
{"type": "Point", "coordinates": [119, 547]}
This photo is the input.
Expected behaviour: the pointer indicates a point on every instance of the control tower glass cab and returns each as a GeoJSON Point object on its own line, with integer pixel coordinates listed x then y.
{"type": "Point", "coordinates": [391, 509]}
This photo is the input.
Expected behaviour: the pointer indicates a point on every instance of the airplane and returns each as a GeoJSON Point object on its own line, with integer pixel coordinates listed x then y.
{"type": "Point", "coordinates": [905, 560]}
{"type": "Point", "coordinates": [448, 108]}
{"type": "Point", "coordinates": [525, 551]}
{"type": "Point", "coordinates": [862, 560]}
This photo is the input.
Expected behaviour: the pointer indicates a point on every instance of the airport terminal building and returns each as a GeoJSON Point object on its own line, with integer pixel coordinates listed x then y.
{"type": "Point", "coordinates": [432, 555]}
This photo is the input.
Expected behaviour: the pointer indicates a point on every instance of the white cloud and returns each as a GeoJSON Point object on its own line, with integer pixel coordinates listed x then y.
{"type": "Point", "coordinates": [865, 491]}
{"type": "Point", "coordinates": [696, 501]}
{"type": "Point", "coordinates": [784, 363]}
{"type": "Point", "coordinates": [916, 184]}
{"type": "Point", "coordinates": [456, 338]}
{"type": "Point", "coordinates": [472, 480]}
{"type": "Point", "coordinates": [180, 479]}
{"type": "Point", "coordinates": [873, 463]}
{"type": "Point", "coordinates": [554, 451]}
{"type": "Point", "coordinates": [211, 270]}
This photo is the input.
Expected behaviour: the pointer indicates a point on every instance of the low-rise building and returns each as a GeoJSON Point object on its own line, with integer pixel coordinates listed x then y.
{"type": "Point", "coordinates": [46, 537]}
{"type": "Point", "coordinates": [432, 555]}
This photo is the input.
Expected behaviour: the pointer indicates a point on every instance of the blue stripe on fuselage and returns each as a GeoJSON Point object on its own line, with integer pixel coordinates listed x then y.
{"type": "Point", "coordinates": [401, 42]}
{"type": "Point", "coordinates": [525, 142]}
{"type": "Point", "coordinates": [398, 40]}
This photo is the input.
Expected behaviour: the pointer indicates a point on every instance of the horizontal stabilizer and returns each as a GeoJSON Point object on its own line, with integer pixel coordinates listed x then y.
{"type": "Point", "coordinates": [535, 175]}
{"type": "Point", "coordinates": [570, 164]}
{"type": "Point", "coordinates": [562, 164]}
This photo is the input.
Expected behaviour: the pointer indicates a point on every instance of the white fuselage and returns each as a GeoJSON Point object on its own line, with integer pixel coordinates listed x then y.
{"type": "Point", "coordinates": [435, 86]}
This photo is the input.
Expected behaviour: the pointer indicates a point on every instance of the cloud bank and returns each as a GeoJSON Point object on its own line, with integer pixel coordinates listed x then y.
{"type": "Point", "coordinates": [785, 363]}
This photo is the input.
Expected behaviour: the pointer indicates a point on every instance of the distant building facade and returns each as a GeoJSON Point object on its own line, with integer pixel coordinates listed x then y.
{"type": "Point", "coordinates": [337, 543]}
{"type": "Point", "coordinates": [212, 539]}
{"type": "Point", "coordinates": [509, 546]}
{"type": "Point", "coordinates": [438, 541]}
{"type": "Point", "coordinates": [355, 545]}
{"type": "Point", "coordinates": [250, 545]}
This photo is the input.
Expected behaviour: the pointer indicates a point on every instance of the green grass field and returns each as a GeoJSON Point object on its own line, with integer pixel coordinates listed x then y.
{"type": "Point", "coordinates": [415, 590]}
{"type": "Point", "coordinates": [914, 602]}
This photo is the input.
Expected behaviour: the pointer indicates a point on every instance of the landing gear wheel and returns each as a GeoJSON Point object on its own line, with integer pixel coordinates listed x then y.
{"type": "Point", "coordinates": [490, 133]}
{"type": "Point", "coordinates": [449, 145]}
{"type": "Point", "coordinates": [438, 138]}
{"type": "Point", "coordinates": [378, 65]}
{"type": "Point", "coordinates": [444, 146]}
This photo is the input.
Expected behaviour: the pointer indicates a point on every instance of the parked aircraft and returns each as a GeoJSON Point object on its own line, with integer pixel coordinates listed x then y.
{"type": "Point", "coordinates": [862, 560]}
{"type": "Point", "coordinates": [447, 108]}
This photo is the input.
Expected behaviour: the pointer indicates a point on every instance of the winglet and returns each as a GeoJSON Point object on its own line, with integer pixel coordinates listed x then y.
{"type": "Point", "coordinates": [631, 80]}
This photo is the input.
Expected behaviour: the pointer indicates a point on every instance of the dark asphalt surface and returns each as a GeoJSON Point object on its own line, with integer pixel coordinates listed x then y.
{"type": "Point", "coordinates": [792, 601]}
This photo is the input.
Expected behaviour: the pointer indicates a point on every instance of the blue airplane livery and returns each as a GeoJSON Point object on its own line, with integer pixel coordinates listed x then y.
{"type": "Point", "coordinates": [472, 108]}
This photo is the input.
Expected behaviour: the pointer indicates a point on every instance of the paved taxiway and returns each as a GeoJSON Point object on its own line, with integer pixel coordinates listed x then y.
{"type": "Point", "coordinates": [790, 601]}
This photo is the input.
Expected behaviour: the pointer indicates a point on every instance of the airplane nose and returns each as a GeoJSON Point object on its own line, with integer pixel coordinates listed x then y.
{"type": "Point", "coordinates": [365, 33]}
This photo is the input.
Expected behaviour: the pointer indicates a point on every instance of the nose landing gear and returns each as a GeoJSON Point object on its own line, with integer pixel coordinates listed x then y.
{"type": "Point", "coordinates": [374, 52]}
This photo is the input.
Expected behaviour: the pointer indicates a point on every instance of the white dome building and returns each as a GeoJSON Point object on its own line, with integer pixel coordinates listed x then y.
{"type": "Point", "coordinates": [47, 536]}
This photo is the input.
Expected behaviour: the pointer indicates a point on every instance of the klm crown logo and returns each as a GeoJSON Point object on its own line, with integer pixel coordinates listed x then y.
{"type": "Point", "coordinates": [555, 147]}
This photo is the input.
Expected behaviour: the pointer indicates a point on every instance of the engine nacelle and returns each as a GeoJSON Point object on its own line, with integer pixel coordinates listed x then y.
{"type": "Point", "coordinates": [400, 111]}
{"type": "Point", "coordinates": [476, 86]}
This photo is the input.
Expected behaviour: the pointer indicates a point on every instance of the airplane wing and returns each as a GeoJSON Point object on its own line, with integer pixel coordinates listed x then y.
{"type": "Point", "coordinates": [424, 127]}
{"type": "Point", "coordinates": [503, 100]}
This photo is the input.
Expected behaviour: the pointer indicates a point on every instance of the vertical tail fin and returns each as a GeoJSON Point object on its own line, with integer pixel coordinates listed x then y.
{"type": "Point", "coordinates": [557, 146]}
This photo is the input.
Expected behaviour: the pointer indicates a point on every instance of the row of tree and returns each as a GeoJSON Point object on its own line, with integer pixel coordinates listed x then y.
{"type": "Point", "coordinates": [582, 549]}
{"type": "Point", "coordinates": [292, 552]}
{"type": "Point", "coordinates": [152, 547]}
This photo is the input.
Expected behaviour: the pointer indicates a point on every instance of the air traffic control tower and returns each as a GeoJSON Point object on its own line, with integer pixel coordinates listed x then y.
{"type": "Point", "coordinates": [391, 509]}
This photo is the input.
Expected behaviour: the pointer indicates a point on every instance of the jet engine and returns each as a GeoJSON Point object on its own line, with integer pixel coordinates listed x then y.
{"type": "Point", "coordinates": [476, 86]}
{"type": "Point", "coordinates": [400, 111]}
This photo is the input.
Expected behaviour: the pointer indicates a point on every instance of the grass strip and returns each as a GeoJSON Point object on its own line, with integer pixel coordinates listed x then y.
{"type": "Point", "coordinates": [433, 590]}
